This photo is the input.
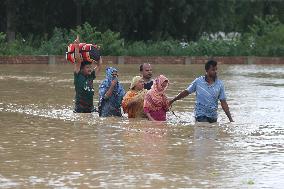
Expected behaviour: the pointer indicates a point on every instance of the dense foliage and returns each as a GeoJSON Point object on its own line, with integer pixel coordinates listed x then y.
{"type": "Point", "coordinates": [144, 28]}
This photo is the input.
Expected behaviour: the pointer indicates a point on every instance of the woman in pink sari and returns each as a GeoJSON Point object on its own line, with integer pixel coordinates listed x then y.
{"type": "Point", "coordinates": [156, 103]}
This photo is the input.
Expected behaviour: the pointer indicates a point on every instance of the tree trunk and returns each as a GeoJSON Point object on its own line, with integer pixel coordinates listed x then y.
{"type": "Point", "coordinates": [78, 12]}
{"type": "Point", "coordinates": [10, 14]}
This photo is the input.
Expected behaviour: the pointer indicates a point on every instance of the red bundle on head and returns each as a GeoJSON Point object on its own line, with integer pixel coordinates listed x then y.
{"type": "Point", "coordinates": [89, 52]}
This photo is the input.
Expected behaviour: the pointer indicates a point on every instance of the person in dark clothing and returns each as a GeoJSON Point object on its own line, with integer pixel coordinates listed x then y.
{"type": "Point", "coordinates": [84, 74]}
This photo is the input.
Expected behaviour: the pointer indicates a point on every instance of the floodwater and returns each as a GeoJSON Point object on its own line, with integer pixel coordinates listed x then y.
{"type": "Point", "coordinates": [43, 144]}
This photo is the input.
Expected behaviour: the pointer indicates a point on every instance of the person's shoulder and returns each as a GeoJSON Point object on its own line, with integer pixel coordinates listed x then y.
{"type": "Point", "coordinates": [104, 83]}
{"type": "Point", "coordinates": [202, 77]}
{"type": "Point", "coordinates": [120, 86]}
{"type": "Point", "coordinates": [219, 81]}
{"type": "Point", "coordinates": [129, 92]}
{"type": "Point", "coordinates": [150, 81]}
{"type": "Point", "coordinates": [199, 79]}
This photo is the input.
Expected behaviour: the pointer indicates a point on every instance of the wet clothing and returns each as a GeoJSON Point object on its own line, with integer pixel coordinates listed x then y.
{"type": "Point", "coordinates": [205, 119]}
{"type": "Point", "coordinates": [155, 101]}
{"type": "Point", "coordinates": [148, 85]}
{"type": "Point", "coordinates": [136, 108]}
{"type": "Point", "coordinates": [110, 106]}
{"type": "Point", "coordinates": [84, 92]}
{"type": "Point", "coordinates": [207, 97]}
{"type": "Point", "coordinates": [158, 115]}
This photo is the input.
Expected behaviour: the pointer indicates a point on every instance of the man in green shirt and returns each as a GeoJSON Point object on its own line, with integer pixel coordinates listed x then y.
{"type": "Point", "coordinates": [84, 74]}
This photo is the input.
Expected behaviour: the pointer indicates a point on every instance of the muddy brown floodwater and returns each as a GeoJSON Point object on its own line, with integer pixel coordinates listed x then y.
{"type": "Point", "coordinates": [43, 144]}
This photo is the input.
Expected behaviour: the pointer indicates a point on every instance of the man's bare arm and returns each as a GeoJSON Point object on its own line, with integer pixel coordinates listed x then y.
{"type": "Point", "coordinates": [98, 66]}
{"type": "Point", "coordinates": [78, 58]}
{"type": "Point", "coordinates": [226, 109]}
{"type": "Point", "coordinates": [179, 96]}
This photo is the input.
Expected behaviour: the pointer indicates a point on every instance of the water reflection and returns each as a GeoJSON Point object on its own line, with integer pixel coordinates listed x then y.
{"type": "Point", "coordinates": [44, 144]}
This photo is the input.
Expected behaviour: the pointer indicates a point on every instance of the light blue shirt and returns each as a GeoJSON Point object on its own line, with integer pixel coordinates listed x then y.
{"type": "Point", "coordinates": [207, 96]}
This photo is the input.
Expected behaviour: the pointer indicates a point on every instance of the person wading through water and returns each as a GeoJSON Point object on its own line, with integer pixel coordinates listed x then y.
{"type": "Point", "coordinates": [133, 100]}
{"type": "Point", "coordinates": [111, 93]}
{"type": "Point", "coordinates": [84, 74]}
{"type": "Point", "coordinates": [208, 89]}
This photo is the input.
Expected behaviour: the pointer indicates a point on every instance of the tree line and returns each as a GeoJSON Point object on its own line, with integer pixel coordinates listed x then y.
{"type": "Point", "coordinates": [144, 27]}
{"type": "Point", "coordinates": [136, 20]}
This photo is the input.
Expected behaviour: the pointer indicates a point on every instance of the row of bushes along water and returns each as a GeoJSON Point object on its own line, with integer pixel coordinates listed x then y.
{"type": "Point", "coordinates": [265, 38]}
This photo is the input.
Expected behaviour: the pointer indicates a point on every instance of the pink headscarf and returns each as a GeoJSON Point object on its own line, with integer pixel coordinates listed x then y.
{"type": "Point", "coordinates": [156, 99]}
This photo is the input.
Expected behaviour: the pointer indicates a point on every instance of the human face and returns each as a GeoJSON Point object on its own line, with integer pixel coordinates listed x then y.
{"type": "Point", "coordinates": [87, 69]}
{"type": "Point", "coordinates": [164, 84]}
{"type": "Point", "coordinates": [147, 71]}
{"type": "Point", "coordinates": [212, 72]}
{"type": "Point", "coordinates": [139, 85]}
{"type": "Point", "coordinates": [114, 74]}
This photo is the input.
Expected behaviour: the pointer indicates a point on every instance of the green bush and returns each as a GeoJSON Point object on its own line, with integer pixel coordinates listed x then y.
{"type": "Point", "coordinates": [111, 44]}
{"type": "Point", "coordinates": [137, 48]}
{"type": "Point", "coordinates": [2, 43]}
{"type": "Point", "coordinates": [207, 46]}
{"type": "Point", "coordinates": [272, 44]}
{"type": "Point", "coordinates": [88, 34]}
{"type": "Point", "coordinates": [265, 38]}
{"type": "Point", "coordinates": [57, 44]}
{"type": "Point", "coordinates": [18, 47]}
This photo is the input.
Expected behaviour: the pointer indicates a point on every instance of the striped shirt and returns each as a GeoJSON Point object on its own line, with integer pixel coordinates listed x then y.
{"type": "Point", "coordinates": [207, 96]}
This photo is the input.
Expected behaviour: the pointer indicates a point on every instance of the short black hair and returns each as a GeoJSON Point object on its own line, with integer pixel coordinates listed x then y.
{"type": "Point", "coordinates": [84, 63]}
{"type": "Point", "coordinates": [210, 63]}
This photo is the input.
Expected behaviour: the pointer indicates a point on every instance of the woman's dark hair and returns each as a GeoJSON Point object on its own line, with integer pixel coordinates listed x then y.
{"type": "Point", "coordinates": [209, 64]}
